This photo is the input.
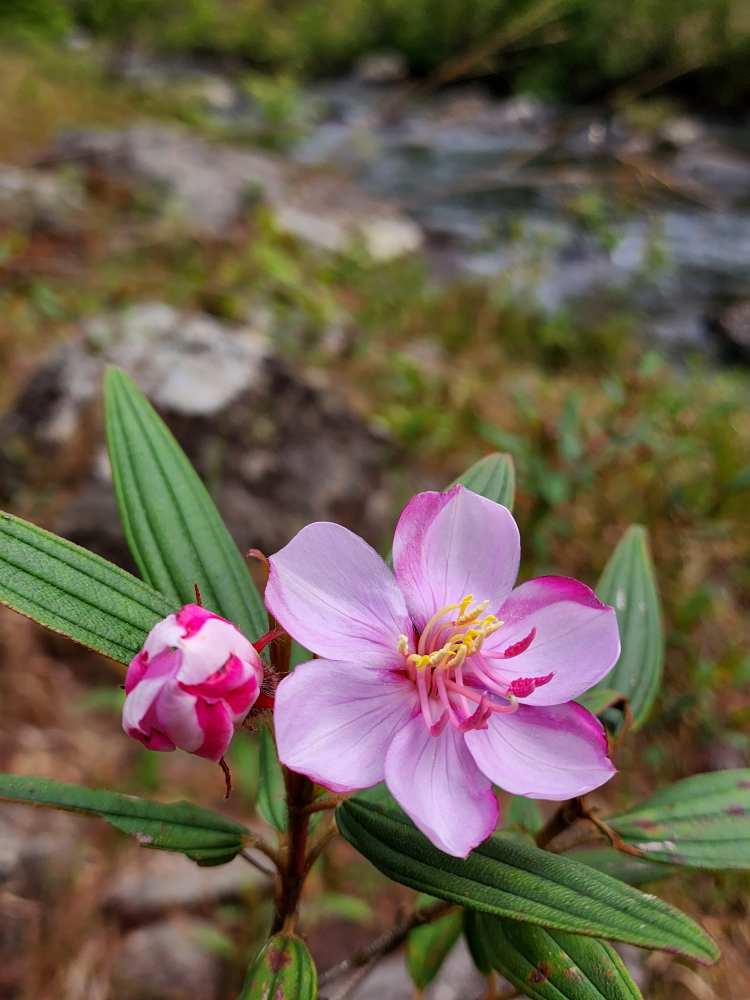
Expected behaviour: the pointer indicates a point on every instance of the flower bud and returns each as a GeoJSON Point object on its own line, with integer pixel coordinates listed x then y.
{"type": "Point", "coordinates": [195, 678]}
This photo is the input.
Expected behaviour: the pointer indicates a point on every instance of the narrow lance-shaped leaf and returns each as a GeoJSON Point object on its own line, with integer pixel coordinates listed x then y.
{"type": "Point", "coordinates": [171, 524]}
{"type": "Point", "coordinates": [493, 477]}
{"type": "Point", "coordinates": [271, 802]}
{"type": "Point", "coordinates": [427, 947]}
{"type": "Point", "coordinates": [72, 591]}
{"type": "Point", "coordinates": [202, 835]}
{"type": "Point", "coordinates": [282, 970]}
{"type": "Point", "coordinates": [512, 879]}
{"type": "Point", "coordinates": [625, 867]}
{"type": "Point", "coordinates": [702, 822]}
{"type": "Point", "coordinates": [628, 584]}
{"type": "Point", "coordinates": [547, 964]}
{"type": "Point", "coordinates": [524, 813]}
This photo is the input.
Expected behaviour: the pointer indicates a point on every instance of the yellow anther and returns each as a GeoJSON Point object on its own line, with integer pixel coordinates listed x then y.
{"type": "Point", "coordinates": [403, 645]}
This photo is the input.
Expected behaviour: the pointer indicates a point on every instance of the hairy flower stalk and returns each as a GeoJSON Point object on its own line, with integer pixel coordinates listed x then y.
{"type": "Point", "coordinates": [439, 678]}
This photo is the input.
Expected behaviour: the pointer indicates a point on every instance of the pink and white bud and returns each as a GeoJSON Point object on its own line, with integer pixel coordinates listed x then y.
{"type": "Point", "coordinates": [195, 678]}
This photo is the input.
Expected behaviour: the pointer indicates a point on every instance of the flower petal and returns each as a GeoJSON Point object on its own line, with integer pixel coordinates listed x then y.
{"type": "Point", "coordinates": [555, 752]}
{"type": "Point", "coordinates": [576, 638]}
{"type": "Point", "coordinates": [335, 721]}
{"type": "Point", "coordinates": [336, 596]}
{"type": "Point", "coordinates": [437, 783]}
{"type": "Point", "coordinates": [177, 717]}
{"type": "Point", "coordinates": [205, 650]}
{"type": "Point", "coordinates": [144, 693]}
{"type": "Point", "coordinates": [450, 545]}
{"type": "Point", "coordinates": [217, 728]}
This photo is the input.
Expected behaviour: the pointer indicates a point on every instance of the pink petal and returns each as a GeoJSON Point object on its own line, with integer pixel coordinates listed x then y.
{"type": "Point", "coordinates": [217, 728]}
{"type": "Point", "coordinates": [236, 684]}
{"type": "Point", "coordinates": [450, 545]}
{"type": "Point", "coordinates": [335, 721]}
{"type": "Point", "coordinates": [207, 649]}
{"type": "Point", "coordinates": [437, 783]}
{"type": "Point", "coordinates": [144, 694]}
{"type": "Point", "coordinates": [555, 752]}
{"type": "Point", "coordinates": [177, 717]}
{"type": "Point", "coordinates": [192, 617]}
{"type": "Point", "coordinates": [576, 638]}
{"type": "Point", "coordinates": [336, 596]}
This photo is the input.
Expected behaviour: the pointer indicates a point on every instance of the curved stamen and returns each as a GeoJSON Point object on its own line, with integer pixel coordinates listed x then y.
{"type": "Point", "coordinates": [435, 618]}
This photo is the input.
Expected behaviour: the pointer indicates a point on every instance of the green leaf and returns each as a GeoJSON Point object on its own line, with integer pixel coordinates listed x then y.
{"type": "Point", "coordinates": [70, 590]}
{"type": "Point", "coordinates": [271, 802]}
{"type": "Point", "coordinates": [625, 867]}
{"type": "Point", "coordinates": [702, 822]}
{"type": "Point", "coordinates": [549, 964]}
{"type": "Point", "coordinates": [494, 477]}
{"type": "Point", "coordinates": [476, 948]}
{"type": "Point", "coordinates": [628, 584]}
{"type": "Point", "coordinates": [282, 970]}
{"type": "Point", "coordinates": [427, 947]}
{"type": "Point", "coordinates": [512, 879]}
{"type": "Point", "coordinates": [596, 700]}
{"type": "Point", "coordinates": [171, 524]}
{"type": "Point", "coordinates": [525, 813]}
{"type": "Point", "coordinates": [204, 836]}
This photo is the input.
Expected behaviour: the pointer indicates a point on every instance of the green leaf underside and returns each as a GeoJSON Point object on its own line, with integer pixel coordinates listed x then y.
{"type": "Point", "coordinates": [427, 947]}
{"type": "Point", "coordinates": [72, 591]}
{"type": "Point", "coordinates": [493, 477]}
{"type": "Point", "coordinates": [171, 524]}
{"type": "Point", "coordinates": [282, 970]}
{"type": "Point", "coordinates": [525, 813]}
{"type": "Point", "coordinates": [550, 964]}
{"type": "Point", "coordinates": [625, 867]}
{"type": "Point", "coordinates": [596, 700]}
{"type": "Point", "coordinates": [271, 803]}
{"type": "Point", "coordinates": [628, 584]}
{"type": "Point", "coordinates": [702, 822]}
{"type": "Point", "coordinates": [512, 879]}
{"type": "Point", "coordinates": [204, 836]}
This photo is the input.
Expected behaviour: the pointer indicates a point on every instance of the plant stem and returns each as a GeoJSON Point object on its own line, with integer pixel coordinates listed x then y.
{"type": "Point", "coordinates": [299, 793]}
{"type": "Point", "coordinates": [565, 816]}
{"type": "Point", "coordinates": [329, 803]}
{"type": "Point", "coordinates": [387, 942]}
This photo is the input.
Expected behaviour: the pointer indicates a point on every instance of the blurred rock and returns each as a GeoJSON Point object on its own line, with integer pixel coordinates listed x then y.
{"type": "Point", "coordinates": [276, 450]}
{"type": "Point", "coordinates": [735, 322]}
{"type": "Point", "coordinates": [681, 130]}
{"type": "Point", "coordinates": [381, 67]}
{"type": "Point", "coordinates": [634, 960]}
{"type": "Point", "coordinates": [210, 186]}
{"type": "Point", "coordinates": [153, 882]}
{"type": "Point", "coordinates": [38, 197]}
{"type": "Point", "coordinates": [11, 851]}
{"type": "Point", "coordinates": [165, 961]}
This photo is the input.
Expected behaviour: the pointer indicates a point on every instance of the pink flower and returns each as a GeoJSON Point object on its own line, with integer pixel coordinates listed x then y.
{"type": "Point", "coordinates": [440, 679]}
{"type": "Point", "coordinates": [196, 676]}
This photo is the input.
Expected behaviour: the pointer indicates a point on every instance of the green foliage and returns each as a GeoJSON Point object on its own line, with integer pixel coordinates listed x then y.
{"type": "Point", "coordinates": [508, 878]}
{"type": "Point", "coordinates": [204, 836]}
{"type": "Point", "coordinates": [598, 700]}
{"type": "Point", "coordinates": [494, 477]}
{"type": "Point", "coordinates": [171, 524]}
{"type": "Point", "coordinates": [546, 964]}
{"type": "Point", "coordinates": [625, 867]}
{"type": "Point", "coordinates": [703, 822]}
{"type": "Point", "coordinates": [524, 813]}
{"type": "Point", "coordinates": [427, 947]}
{"type": "Point", "coordinates": [72, 591]}
{"type": "Point", "coordinates": [271, 794]}
{"type": "Point", "coordinates": [35, 19]}
{"type": "Point", "coordinates": [282, 970]}
{"type": "Point", "coordinates": [629, 586]}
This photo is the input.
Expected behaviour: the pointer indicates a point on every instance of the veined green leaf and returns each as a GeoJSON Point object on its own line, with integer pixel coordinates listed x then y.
{"type": "Point", "coordinates": [171, 524]}
{"type": "Point", "coordinates": [512, 879]}
{"type": "Point", "coordinates": [427, 947]}
{"type": "Point", "coordinates": [628, 584]}
{"type": "Point", "coordinates": [476, 948]}
{"type": "Point", "coordinates": [271, 802]}
{"type": "Point", "coordinates": [494, 477]}
{"type": "Point", "coordinates": [625, 867]}
{"type": "Point", "coordinates": [547, 964]}
{"type": "Point", "coordinates": [282, 970]}
{"type": "Point", "coordinates": [70, 590]}
{"type": "Point", "coordinates": [702, 822]}
{"type": "Point", "coordinates": [204, 836]}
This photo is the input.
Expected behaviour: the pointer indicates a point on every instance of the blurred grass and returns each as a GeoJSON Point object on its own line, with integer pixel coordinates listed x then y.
{"type": "Point", "coordinates": [582, 46]}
